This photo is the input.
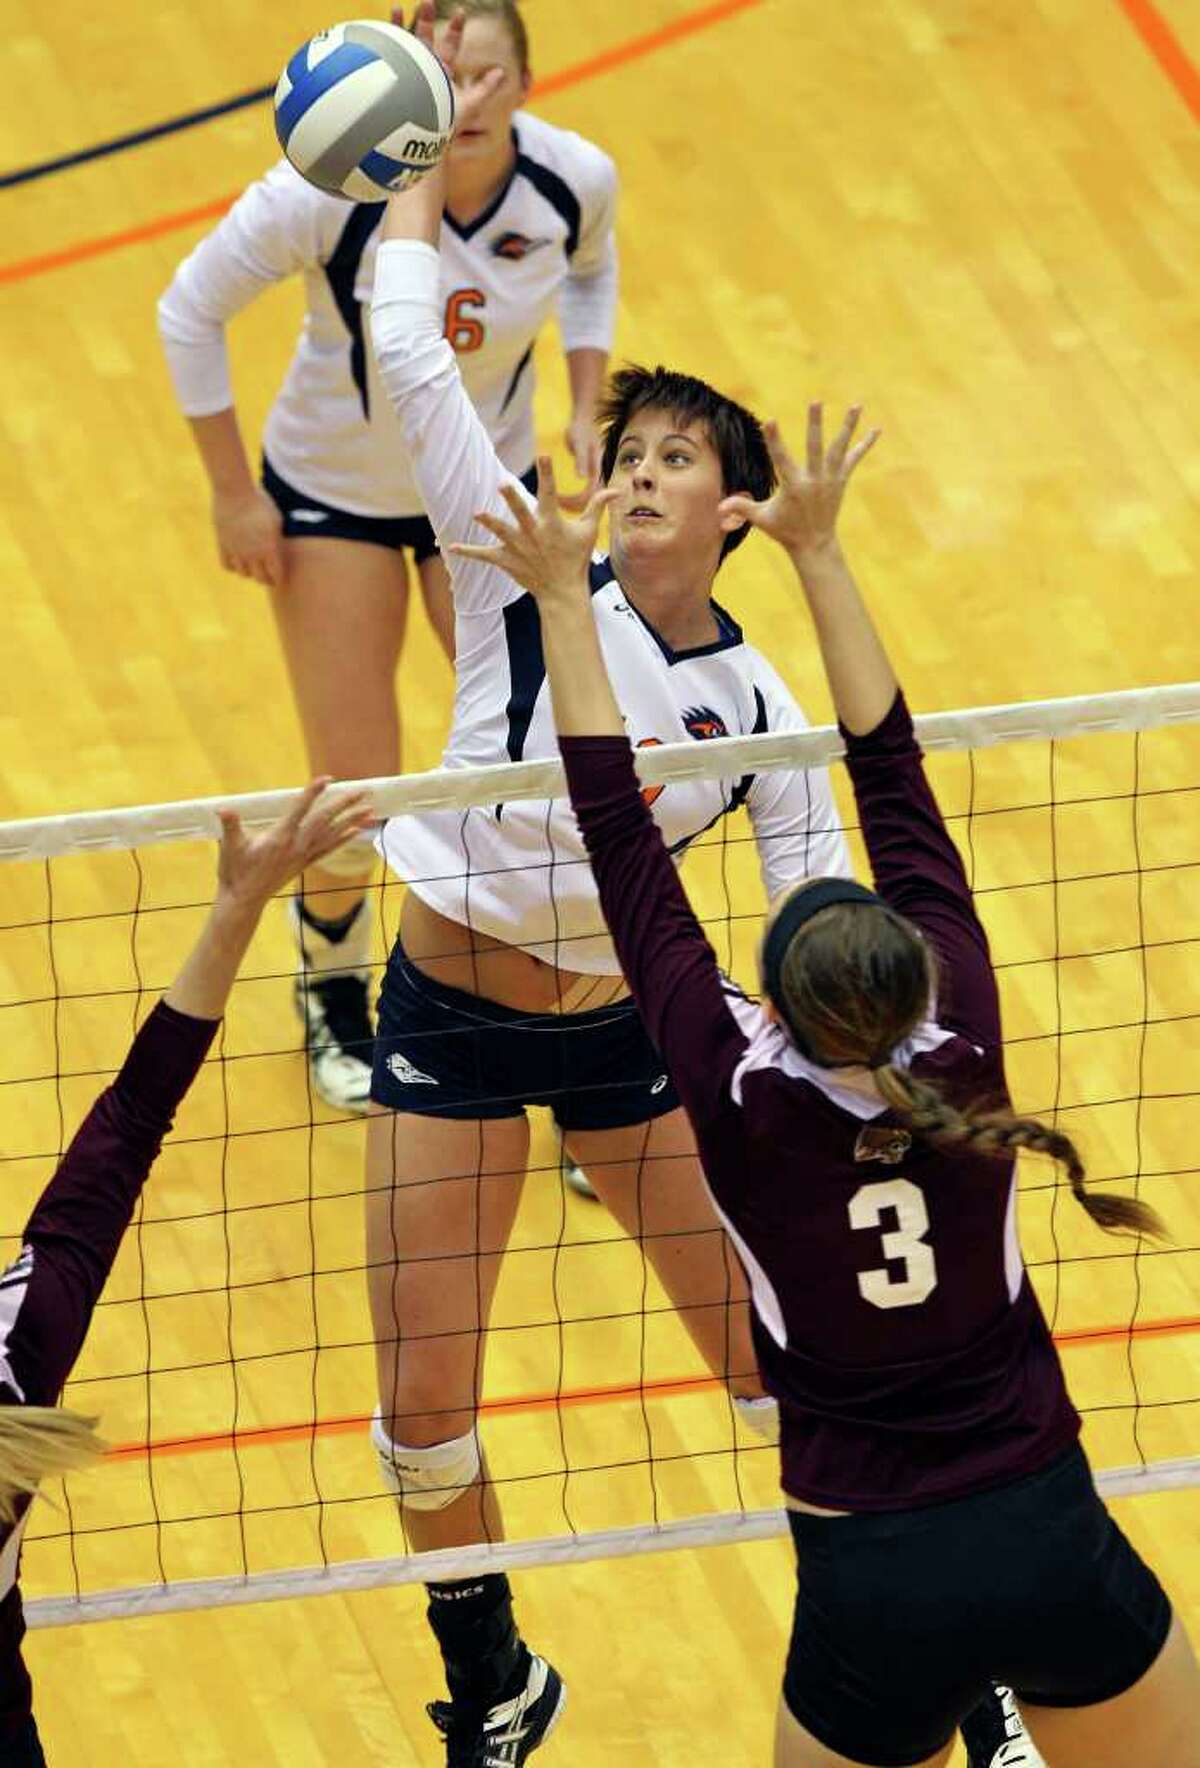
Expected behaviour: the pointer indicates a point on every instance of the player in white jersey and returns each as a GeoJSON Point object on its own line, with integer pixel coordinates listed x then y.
{"type": "Point", "coordinates": [503, 989]}
{"type": "Point", "coordinates": [527, 227]}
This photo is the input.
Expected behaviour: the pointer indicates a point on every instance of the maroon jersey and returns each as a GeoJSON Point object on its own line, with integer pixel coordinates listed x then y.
{"type": "Point", "coordinates": [47, 1295]}
{"type": "Point", "coordinates": [893, 1317]}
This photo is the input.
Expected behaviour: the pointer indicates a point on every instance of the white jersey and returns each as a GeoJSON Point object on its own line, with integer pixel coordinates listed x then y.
{"type": "Point", "coordinates": [546, 240]}
{"type": "Point", "coordinates": [518, 871]}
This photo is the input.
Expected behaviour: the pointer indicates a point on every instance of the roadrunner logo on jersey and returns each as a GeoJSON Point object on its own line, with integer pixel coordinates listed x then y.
{"type": "Point", "coordinates": [889, 1146]}
{"type": "Point", "coordinates": [517, 245]}
{"type": "Point", "coordinates": [401, 1069]}
{"type": "Point", "coordinates": [702, 723]}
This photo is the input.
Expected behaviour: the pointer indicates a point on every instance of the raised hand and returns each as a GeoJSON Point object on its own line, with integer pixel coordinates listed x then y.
{"type": "Point", "coordinates": [545, 551]}
{"type": "Point", "coordinates": [252, 868]}
{"type": "Point", "coordinates": [468, 100]}
{"type": "Point", "coordinates": [802, 512]}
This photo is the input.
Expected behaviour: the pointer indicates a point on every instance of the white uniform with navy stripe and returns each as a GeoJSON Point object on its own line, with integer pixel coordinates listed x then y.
{"type": "Point", "coordinates": [518, 871]}
{"type": "Point", "coordinates": [545, 241]}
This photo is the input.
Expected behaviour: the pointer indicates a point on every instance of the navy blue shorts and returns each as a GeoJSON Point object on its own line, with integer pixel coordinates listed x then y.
{"type": "Point", "coordinates": [398, 533]}
{"type": "Point", "coordinates": [904, 1620]}
{"type": "Point", "coordinates": [440, 1052]}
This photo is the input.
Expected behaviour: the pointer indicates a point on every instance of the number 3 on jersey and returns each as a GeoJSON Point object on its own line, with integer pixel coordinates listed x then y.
{"type": "Point", "coordinates": [463, 330]}
{"type": "Point", "coordinates": [906, 1242]}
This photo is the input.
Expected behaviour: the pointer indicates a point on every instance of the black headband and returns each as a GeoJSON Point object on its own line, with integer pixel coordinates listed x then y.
{"type": "Point", "coordinates": [800, 907]}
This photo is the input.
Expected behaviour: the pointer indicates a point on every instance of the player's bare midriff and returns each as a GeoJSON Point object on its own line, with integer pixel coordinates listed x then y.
{"type": "Point", "coordinates": [459, 957]}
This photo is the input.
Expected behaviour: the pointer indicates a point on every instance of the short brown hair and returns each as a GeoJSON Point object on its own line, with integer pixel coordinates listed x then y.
{"type": "Point", "coordinates": [734, 432]}
{"type": "Point", "coordinates": [507, 11]}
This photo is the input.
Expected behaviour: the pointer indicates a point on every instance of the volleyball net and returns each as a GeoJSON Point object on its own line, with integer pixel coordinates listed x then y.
{"type": "Point", "coordinates": [231, 1358]}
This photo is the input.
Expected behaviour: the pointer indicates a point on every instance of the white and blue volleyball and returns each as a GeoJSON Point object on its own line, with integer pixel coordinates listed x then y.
{"type": "Point", "coordinates": [364, 109]}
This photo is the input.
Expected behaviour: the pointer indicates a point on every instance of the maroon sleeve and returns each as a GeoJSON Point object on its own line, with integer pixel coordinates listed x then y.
{"type": "Point", "coordinates": [47, 1295]}
{"type": "Point", "coordinates": [919, 872]}
{"type": "Point", "coordinates": [667, 960]}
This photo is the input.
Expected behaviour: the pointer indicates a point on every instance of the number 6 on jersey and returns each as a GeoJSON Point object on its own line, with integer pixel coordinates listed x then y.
{"type": "Point", "coordinates": [905, 1242]}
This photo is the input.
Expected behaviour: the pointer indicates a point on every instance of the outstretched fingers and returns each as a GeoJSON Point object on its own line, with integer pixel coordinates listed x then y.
{"type": "Point", "coordinates": [815, 439]}
{"type": "Point", "coordinates": [777, 448]}
{"type": "Point", "coordinates": [864, 447]}
{"type": "Point", "coordinates": [304, 803]}
{"type": "Point", "coordinates": [842, 458]}
{"type": "Point", "coordinates": [519, 506]}
{"type": "Point", "coordinates": [333, 822]}
{"type": "Point", "coordinates": [486, 555]}
{"type": "Point", "coordinates": [841, 442]}
{"type": "Point", "coordinates": [598, 502]}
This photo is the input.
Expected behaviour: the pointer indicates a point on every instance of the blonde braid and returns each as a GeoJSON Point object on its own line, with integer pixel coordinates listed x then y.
{"type": "Point", "coordinates": [36, 1443]}
{"type": "Point", "coordinates": [1000, 1133]}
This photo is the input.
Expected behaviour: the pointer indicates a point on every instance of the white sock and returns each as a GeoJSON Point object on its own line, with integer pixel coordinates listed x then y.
{"type": "Point", "coordinates": [348, 956]}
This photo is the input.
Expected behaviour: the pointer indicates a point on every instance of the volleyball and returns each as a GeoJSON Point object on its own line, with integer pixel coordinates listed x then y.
{"type": "Point", "coordinates": [364, 109]}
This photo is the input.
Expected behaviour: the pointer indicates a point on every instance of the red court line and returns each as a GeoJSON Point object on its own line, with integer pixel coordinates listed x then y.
{"type": "Point", "coordinates": [272, 1435]}
{"type": "Point", "coordinates": [633, 49]}
{"type": "Point", "coordinates": [1166, 49]}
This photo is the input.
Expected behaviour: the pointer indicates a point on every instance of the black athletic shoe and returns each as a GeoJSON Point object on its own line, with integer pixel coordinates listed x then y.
{"type": "Point", "coordinates": [995, 1736]}
{"type": "Point", "coordinates": [511, 1730]}
{"type": "Point", "coordinates": [339, 1037]}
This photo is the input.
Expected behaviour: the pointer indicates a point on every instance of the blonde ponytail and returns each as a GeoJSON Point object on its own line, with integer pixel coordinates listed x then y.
{"type": "Point", "coordinates": [999, 1133]}
{"type": "Point", "coordinates": [36, 1443]}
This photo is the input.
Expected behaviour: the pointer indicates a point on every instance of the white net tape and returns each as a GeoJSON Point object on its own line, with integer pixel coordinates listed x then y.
{"type": "Point", "coordinates": [456, 788]}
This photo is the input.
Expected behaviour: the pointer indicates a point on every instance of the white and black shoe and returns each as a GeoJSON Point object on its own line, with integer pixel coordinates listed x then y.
{"type": "Point", "coordinates": [339, 1038]}
{"type": "Point", "coordinates": [509, 1732]}
{"type": "Point", "coordinates": [996, 1737]}
{"type": "Point", "coordinates": [332, 995]}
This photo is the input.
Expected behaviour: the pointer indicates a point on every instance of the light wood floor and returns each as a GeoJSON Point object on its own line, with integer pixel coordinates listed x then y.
{"type": "Point", "coordinates": [981, 221]}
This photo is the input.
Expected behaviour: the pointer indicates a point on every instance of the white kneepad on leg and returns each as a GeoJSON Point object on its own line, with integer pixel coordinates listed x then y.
{"type": "Point", "coordinates": [353, 857]}
{"type": "Point", "coordinates": [427, 1479]}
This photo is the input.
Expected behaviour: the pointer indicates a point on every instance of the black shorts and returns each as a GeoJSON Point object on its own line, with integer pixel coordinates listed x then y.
{"type": "Point", "coordinates": [398, 533]}
{"type": "Point", "coordinates": [24, 1748]}
{"type": "Point", "coordinates": [440, 1052]}
{"type": "Point", "coordinates": [904, 1620]}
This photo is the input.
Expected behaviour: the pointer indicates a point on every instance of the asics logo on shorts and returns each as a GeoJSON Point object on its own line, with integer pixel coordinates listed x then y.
{"type": "Point", "coordinates": [309, 515]}
{"type": "Point", "coordinates": [659, 1086]}
{"type": "Point", "coordinates": [401, 1069]}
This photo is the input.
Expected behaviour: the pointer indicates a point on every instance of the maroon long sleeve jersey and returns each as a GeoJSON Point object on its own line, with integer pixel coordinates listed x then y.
{"type": "Point", "coordinates": [892, 1314]}
{"type": "Point", "coordinates": [47, 1294]}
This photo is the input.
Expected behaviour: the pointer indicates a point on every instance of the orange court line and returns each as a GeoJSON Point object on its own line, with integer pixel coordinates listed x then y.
{"type": "Point", "coordinates": [112, 242]}
{"type": "Point", "coordinates": [621, 53]}
{"type": "Point", "coordinates": [269, 1435]}
{"type": "Point", "coordinates": [274, 1435]}
{"type": "Point", "coordinates": [1166, 49]}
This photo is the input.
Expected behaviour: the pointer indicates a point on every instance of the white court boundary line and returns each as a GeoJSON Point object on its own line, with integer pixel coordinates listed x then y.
{"type": "Point", "coordinates": [457, 788]}
{"type": "Point", "coordinates": [734, 1528]}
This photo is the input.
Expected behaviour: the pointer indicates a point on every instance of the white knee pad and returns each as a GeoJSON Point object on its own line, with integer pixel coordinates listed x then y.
{"type": "Point", "coordinates": [426, 1479]}
{"type": "Point", "coordinates": [352, 858]}
{"type": "Point", "coordinates": [759, 1415]}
